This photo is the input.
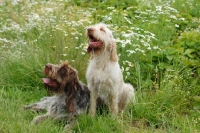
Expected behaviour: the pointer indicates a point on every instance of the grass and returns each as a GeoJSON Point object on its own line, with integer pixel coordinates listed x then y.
{"type": "Point", "coordinates": [158, 45]}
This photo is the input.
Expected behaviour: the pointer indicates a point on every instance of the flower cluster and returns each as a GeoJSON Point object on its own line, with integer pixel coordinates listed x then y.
{"type": "Point", "coordinates": [136, 41]}
{"type": "Point", "coordinates": [40, 20]}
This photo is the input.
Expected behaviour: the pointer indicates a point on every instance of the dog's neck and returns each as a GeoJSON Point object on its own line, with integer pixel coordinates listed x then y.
{"type": "Point", "coordinates": [101, 61]}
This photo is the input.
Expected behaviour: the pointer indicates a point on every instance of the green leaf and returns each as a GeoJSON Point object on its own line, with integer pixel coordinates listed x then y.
{"type": "Point", "coordinates": [170, 57]}
{"type": "Point", "coordinates": [170, 51]}
{"type": "Point", "coordinates": [196, 98]}
{"type": "Point", "coordinates": [163, 65]}
{"type": "Point", "coordinates": [188, 51]}
{"type": "Point", "coordinates": [198, 71]}
{"type": "Point", "coordinates": [197, 106]}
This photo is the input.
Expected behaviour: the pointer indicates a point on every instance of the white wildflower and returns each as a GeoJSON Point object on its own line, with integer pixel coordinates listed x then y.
{"type": "Point", "coordinates": [128, 73]}
{"type": "Point", "coordinates": [127, 69]}
{"type": "Point", "coordinates": [156, 47]}
{"type": "Point", "coordinates": [176, 25]}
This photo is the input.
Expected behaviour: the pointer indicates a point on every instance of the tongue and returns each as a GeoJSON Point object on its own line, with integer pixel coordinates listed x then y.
{"type": "Point", "coordinates": [49, 82]}
{"type": "Point", "coordinates": [46, 80]}
{"type": "Point", "coordinates": [95, 44]}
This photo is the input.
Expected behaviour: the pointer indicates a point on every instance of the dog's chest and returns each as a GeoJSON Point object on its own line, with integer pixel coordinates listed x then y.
{"type": "Point", "coordinates": [58, 105]}
{"type": "Point", "coordinates": [105, 78]}
{"type": "Point", "coordinates": [104, 89]}
{"type": "Point", "coordinates": [103, 71]}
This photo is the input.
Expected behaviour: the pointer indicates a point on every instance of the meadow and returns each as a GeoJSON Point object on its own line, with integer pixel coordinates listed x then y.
{"type": "Point", "coordinates": [158, 45]}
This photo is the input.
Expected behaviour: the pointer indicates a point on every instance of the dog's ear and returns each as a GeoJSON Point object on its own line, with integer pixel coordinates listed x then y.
{"type": "Point", "coordinates": [71, 99]}
{"type": "Point", "coordinates": [71, 89]}
{"type": "Point", "coordinates": [69, 76]}
{"type": "Point", "coordinates": [113, 51]}
{"type": "Point", "coordinates": [73, 75]}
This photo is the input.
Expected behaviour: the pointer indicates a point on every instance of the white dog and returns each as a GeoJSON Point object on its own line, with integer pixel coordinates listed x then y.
{"type": "Point", "coordinates": [104, 76]}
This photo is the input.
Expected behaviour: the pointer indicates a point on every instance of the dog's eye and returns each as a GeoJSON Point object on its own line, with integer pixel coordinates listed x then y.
{"type": "Point", "coordinates": [102, 29]}
{"type": "Point", "coordinates": [63, 70]}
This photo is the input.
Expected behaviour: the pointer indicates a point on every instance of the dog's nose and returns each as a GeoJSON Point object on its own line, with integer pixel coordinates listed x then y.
{"type": "Point", "coordinates": [47, 66]}
{"type": "Point", "coordinates": [90, 30]}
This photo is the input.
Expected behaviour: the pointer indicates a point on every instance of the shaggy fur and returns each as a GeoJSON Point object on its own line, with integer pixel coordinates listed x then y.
{"type": "Point", "coordinates": [104, 77]}
{"type": "Point", "coordinates": [71, 96]}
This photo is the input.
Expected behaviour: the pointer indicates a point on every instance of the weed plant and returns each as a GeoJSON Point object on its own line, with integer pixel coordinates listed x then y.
{"type": "Point", "coordinates": [158, 45]}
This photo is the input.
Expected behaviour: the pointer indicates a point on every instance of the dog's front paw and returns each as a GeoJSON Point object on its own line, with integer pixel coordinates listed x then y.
{"type": "Point", "coordinates": [33, 107]}
{"type": "Point", "coordinates": [39, 119]}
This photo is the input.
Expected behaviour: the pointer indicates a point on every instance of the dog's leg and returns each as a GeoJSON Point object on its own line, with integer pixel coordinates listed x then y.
{"type": "Point", "coordinates": [34, 107]}
{"type": "Point", "coordinates": [127, 96]}
{"type": "Point", "coordinates": [62, 117]}
{"type": "Point", "coordinates": [68, 127]}
{"type": "Point", "coordinates": [114, 104]}
{"type": "Point", "coordinates": [41, 105]}
{"type": "Point", "coordinates": [39, 119]}
{"type": "Point", "coordinates": [59, 117]}
{"type": "Point", "coordinates": [93, 102]}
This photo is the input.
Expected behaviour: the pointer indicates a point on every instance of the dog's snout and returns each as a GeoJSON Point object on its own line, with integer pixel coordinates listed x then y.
{"type": "Point", "coordinates": [90, 30]}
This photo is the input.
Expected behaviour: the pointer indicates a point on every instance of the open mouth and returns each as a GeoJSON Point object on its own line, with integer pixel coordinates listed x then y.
{"type": "Point", "coordinates": [93, 44]}
{"type": "Point", "coordinates": [50, 83]}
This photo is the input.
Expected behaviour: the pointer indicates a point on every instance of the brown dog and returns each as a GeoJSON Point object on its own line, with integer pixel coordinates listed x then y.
{"type": "Point", "coordinates": [71, 97]}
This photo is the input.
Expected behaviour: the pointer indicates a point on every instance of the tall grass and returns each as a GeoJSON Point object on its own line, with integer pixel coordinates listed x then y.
{"type": "Point", "coordinates": [158, 45]}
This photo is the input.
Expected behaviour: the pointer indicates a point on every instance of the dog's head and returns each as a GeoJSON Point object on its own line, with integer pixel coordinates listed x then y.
{"type": "Point", "coordinates": [62, 78]}
{"type": "Point", "coordinates": [101, 39]}
{"type": "Point", "coordinates": [58, 75]}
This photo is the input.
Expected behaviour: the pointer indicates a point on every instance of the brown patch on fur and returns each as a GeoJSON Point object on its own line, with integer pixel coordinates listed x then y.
{"type": "Point", "coordinates": [71, 89]}
{"type": "Point", "coordinates": [67, 80]}
{"type": "Point", "coordinates": [113, 51]}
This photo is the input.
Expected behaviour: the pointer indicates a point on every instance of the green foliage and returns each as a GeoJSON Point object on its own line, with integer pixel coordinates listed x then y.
{"type": "Point", "coordinates": [158, 44]}
{"type": "Point", "coordinates": [101, 124]}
